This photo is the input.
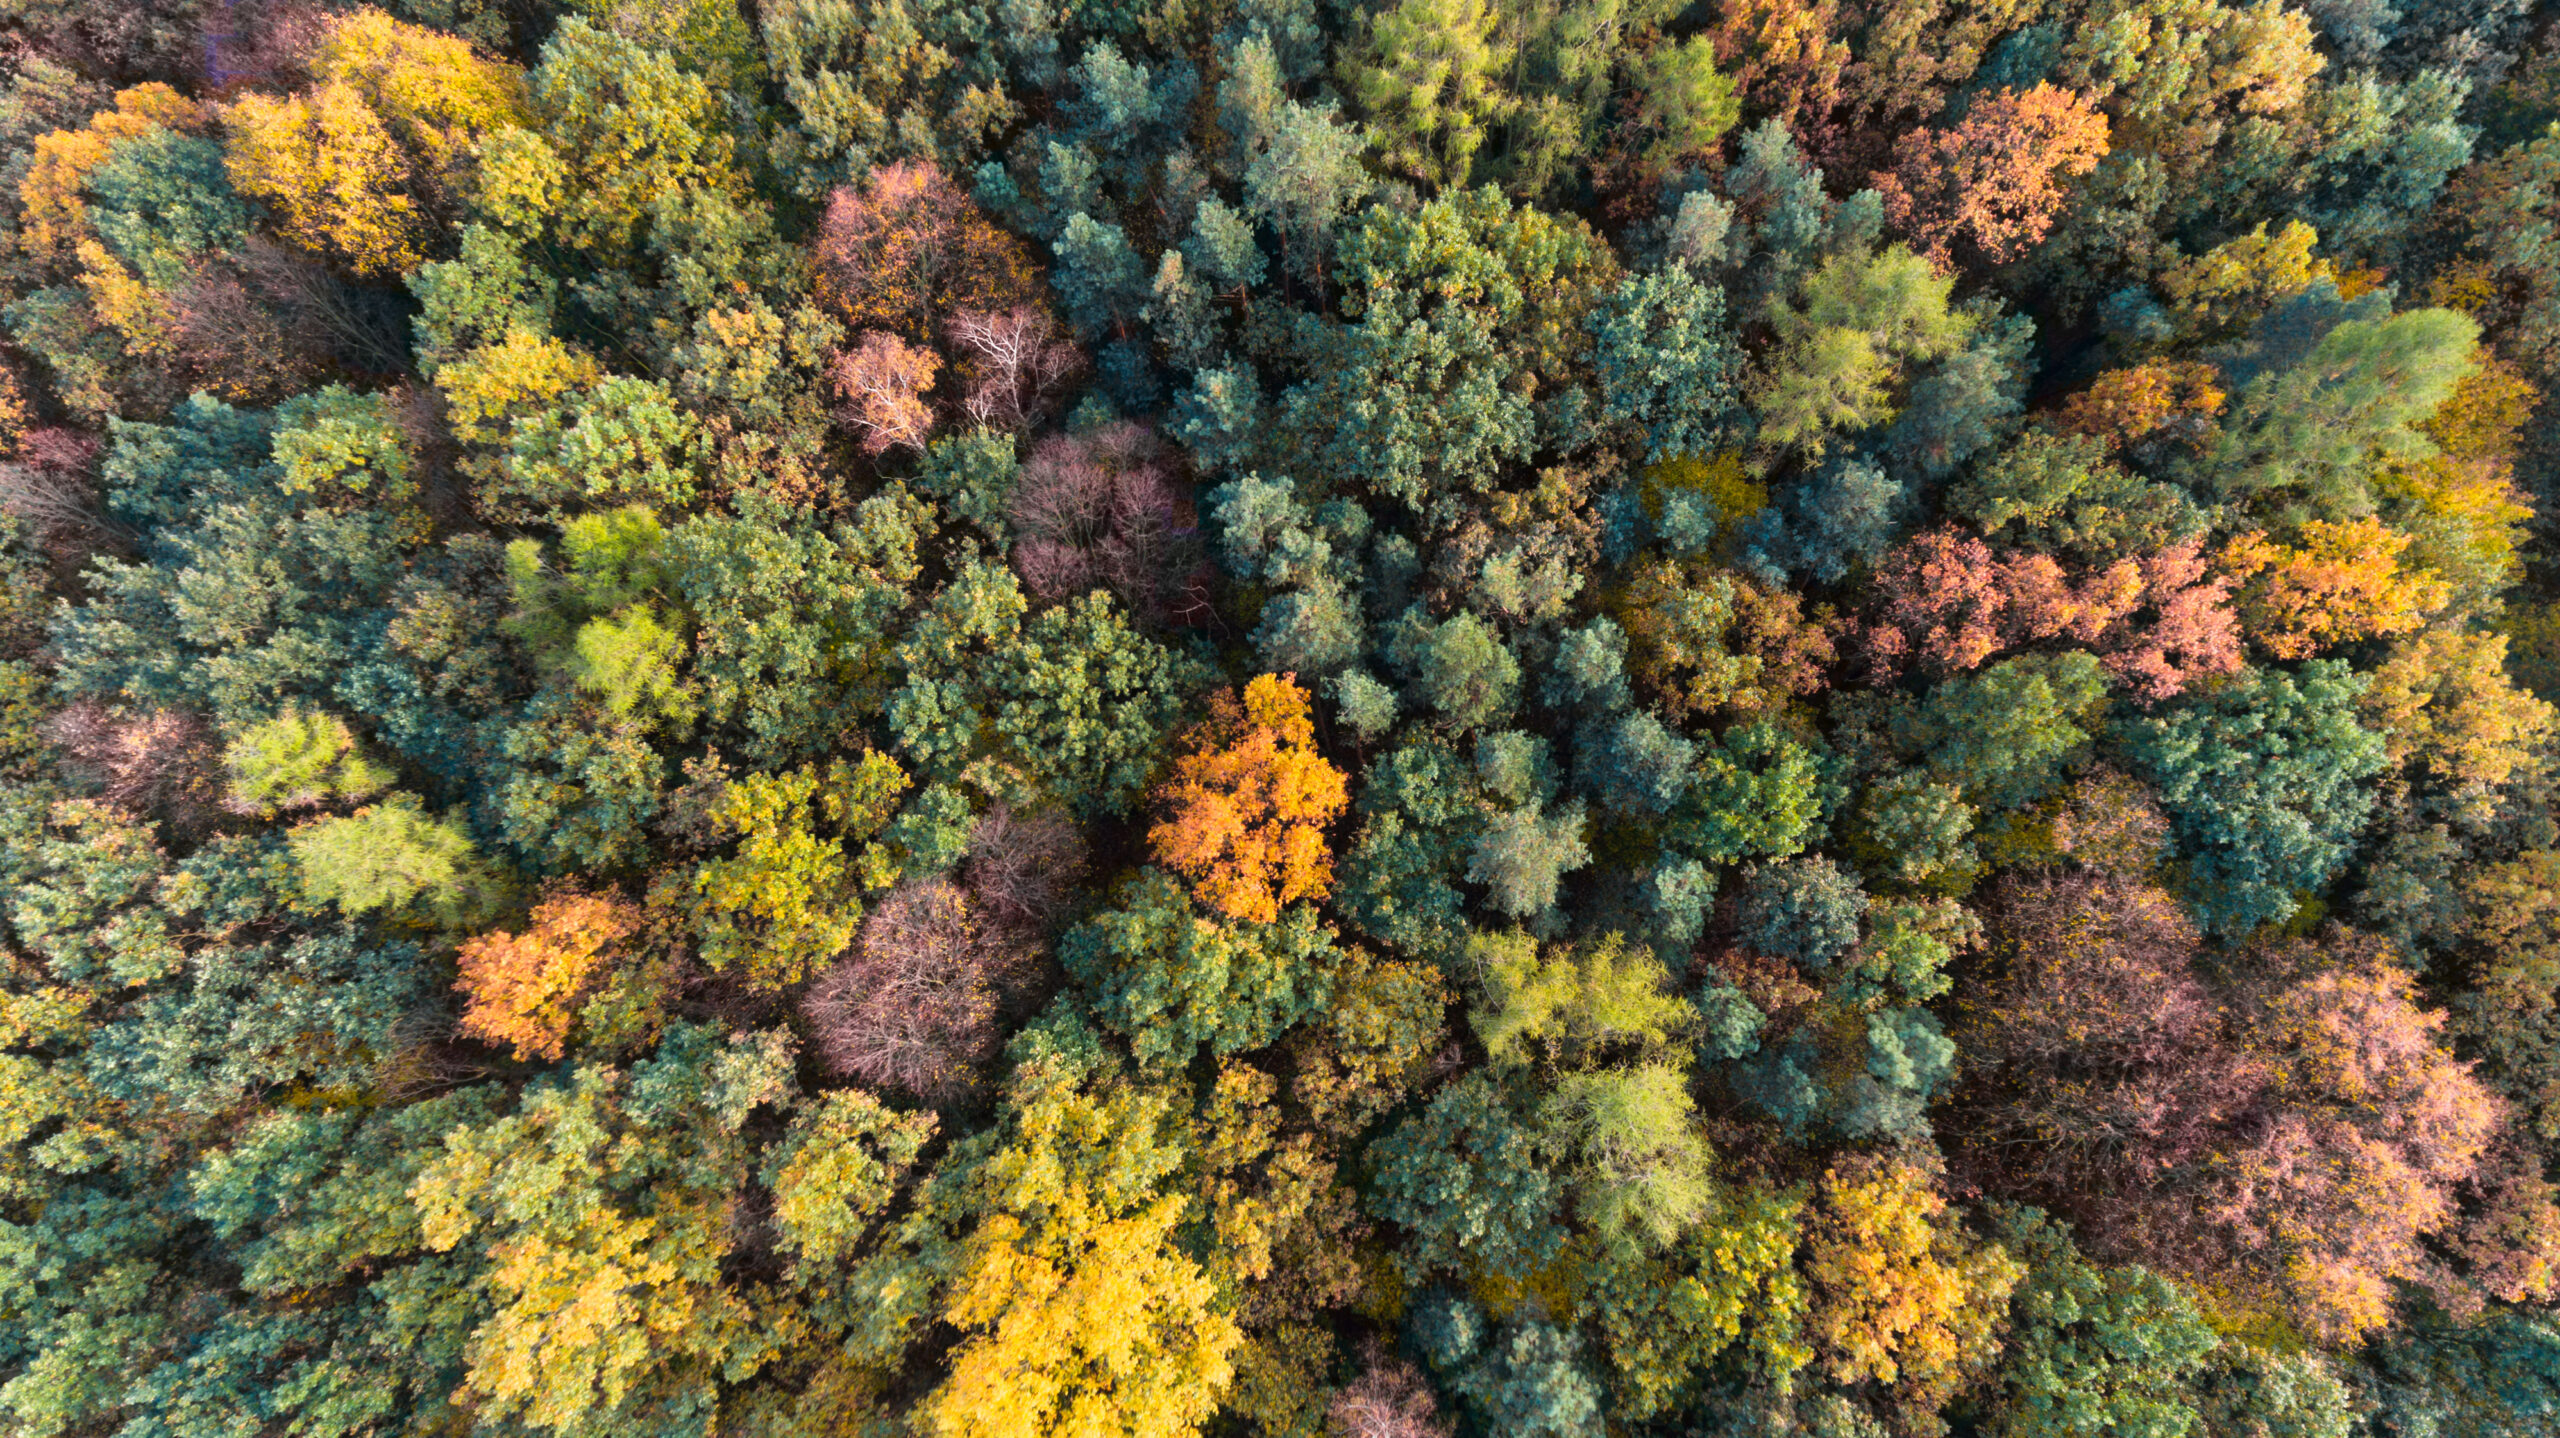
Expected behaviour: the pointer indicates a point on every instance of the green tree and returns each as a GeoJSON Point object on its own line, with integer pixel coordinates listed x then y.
{"type": "Point", "coordinates": [2265, 781]}
{"type": "Point", "coordinates": [1174, 978]}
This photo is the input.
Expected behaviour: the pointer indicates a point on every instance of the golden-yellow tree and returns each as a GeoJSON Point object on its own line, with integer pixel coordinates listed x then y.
{"type": "Point", "coordinates": [521, 990]}
{"type": "Point", "coordinates": [331, 174]}
{"type": "Point", "coordinates": [1245, 809]}
{"type": "Point", "coordinates": [2342, 581]}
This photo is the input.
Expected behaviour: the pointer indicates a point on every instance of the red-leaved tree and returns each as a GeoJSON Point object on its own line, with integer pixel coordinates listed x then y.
{"type": "Point", "coordinates": [1946, 600]}
{"type": "Point", "coordinates": [2291, 1135]}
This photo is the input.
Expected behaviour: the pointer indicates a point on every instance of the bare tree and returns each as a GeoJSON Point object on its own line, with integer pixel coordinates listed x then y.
{"type": "Point", "coordinates": [1104, 509]}
{"type": "Point", "coordinates": [1388, 1401]}
{"type": "Point", "coordinates": [1017, 361]}
{"type": "Point", "coordinates": [914, 1007]}
{"type": "Point", "coordinates": [1023, 867]}
{"type": "Point", "coordinates": [883, 380]}
{"type": "Point", "coordinates": [51, 488]}
{"type": "Point", "coordinates": [161, 762]}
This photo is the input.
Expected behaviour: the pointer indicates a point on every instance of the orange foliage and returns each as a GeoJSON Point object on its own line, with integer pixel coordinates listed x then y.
{"type": "Point", "coordinates": [2344, 583]}
{"type": "Point", "coordinates": [1787, 58]}
{"type": "Point", "coordinates": [1991, 181]}
{"type": "Point", "coordinates": [1245, 810]}
{"type": "Point", "coordinates": [520, 986]}
{"type": "Point", "coordinates": [2124, 405]}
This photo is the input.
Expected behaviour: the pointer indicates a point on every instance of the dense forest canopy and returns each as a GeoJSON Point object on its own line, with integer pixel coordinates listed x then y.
{"type": "Point", "coordinates": [1307, 718]}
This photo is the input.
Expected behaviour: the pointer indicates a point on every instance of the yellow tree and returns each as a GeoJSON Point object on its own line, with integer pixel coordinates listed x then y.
{"type": "Point", "coordinates": [435, 96]}
{"type": "Point", "coordinates": [1245, 810]}
{"type": "Point", "coordinates": [330, 172]}
{"type": "Point", "coordinates": [2342, 582]}
{"type": "Point", "coordinates": [1901, 1296]}
{"type": "Point", "coordinates": [1080, 1316]}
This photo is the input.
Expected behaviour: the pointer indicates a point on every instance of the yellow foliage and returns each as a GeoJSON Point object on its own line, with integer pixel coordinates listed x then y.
{"type": "Point", "coordinates": [2344, 582]}
{"type": "Point", "coordinates": [2237, 280]}
{"type": "Point", "coordinates": [2443, 700]}
{"type": "Point", "coordinates": [1246, 810]}
{"type": "Point", "coordinates": [1103, 1332]}
{"type": "Point", "coordinates": [438, 98]}
{"type": "Point", "coordinates": [1900, 1295]}
{"type": "Point", "coordinates": [486, 390]}
{"type": "Point", "coordinates": [2485, 415]}
{"type": "Point", "coordinates": [329, 171]}
{"type": "Point", "coordinates": [2465, 520]}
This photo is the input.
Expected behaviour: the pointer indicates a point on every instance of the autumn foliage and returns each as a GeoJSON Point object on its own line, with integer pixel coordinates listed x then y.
{"type": "Point", "coordinates": [2289, 1135]}
{"type": "Point", "coordinates": [1993, 180]}
{"type": "Point", "coordinates": [2158, 623]}
{"type": "Point", "coordinates": [2342, 581]}
{"type": "Point", "coordinates": [521, 990]}
{"type": "Point", "coordinates": [1245, 808]}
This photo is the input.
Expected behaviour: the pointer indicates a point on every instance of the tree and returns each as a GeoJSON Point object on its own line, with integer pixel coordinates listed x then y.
{"type": "Point", "coordinates": [1464, 1178]}
{"type": "Point", "coordinates": [787, 900]}
{"type": "Point", "coordinates": [905, 252]}
{"type": "Point", "coordinates": [391, 856]}
{"type": "Point", "coordinates": [2095, 1350]}
{"type": "Point", "coordinates": [1388, 1400]}
{"type": "Point", "coordinates": [521, 990]}
{"type": "Point", "coordinates": [1990, 180]}
{"type": "Point", "coordinates": [1668, 367]}
{"type": "Point", "coordinates": [622, 129]}
{"type": "Point", "coordinates": [1805, 910]}
{"type": "Point", "coordinates": [1842, 345]}
{"type": "Point", "coordinates": [1247, 806]}
{"type": "Point", "coordinates": [1427, 76]}
{"type": "Point", "coordinates": [1053, 1253]}
{"type": "Point", "coordinates": [1107, 509]}
{"type": "Point", "coordinates": [1574, 1003]}
{"type": "Point", "coordinates": [331, 172]}
{"type": "Point", "coordinates": [915, 1006]}
{"type": "Point", "coordinates": [2342, 583]}
{"type": "Point", "coordinates": [2286, 1138]}
{"type": "Point", "coordinates": [297, 761]}
{"type": "Point", "coordinates": [2263, 780]}
{"type": "Point", "coordinates": [1901, 1295]}
{"type": "Point", "coordinates": [1174, 979]}
{"type": "Point", "coordinates": [883, 380]}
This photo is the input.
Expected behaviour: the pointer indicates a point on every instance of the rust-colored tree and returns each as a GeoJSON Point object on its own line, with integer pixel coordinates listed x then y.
{"type": "Point", "coordinates": [2289, 1137]}
{"type": "Point", "coordinates": [906, 250]}
{"type": "Point", "coordinates": [2158, 623]}
{"type": "Point", "coordinates": [1245, 810]}
{"type": "Point", "coordinates": [1992, 182]}
{"type": "Point", "coordinates": [521, 990]}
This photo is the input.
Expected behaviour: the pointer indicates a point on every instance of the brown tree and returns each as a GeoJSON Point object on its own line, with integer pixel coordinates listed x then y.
{"type": "Point", "coordinates": [915, 1006]}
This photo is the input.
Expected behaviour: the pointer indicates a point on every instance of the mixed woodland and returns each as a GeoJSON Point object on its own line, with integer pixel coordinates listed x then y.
{"type": "Point", "coordinates": [1313, 718]}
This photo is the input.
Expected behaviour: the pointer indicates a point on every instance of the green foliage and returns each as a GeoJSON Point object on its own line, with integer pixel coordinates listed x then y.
{"type": "Point", "coordinates": [2264, 780]}
{"type": "Point", "coordinates": [392, 857]}
{"type": "Point", "coordinates": [1574, 1003]}
{"type": "Point", "coordinates": [2097, 1350]}
{"type": "Point", "coordinates": [1174, 979]}
{"type": "Point", "coordinates": [296, 761]}
{"type": "Point", "coordinates": [1464, 1176]}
